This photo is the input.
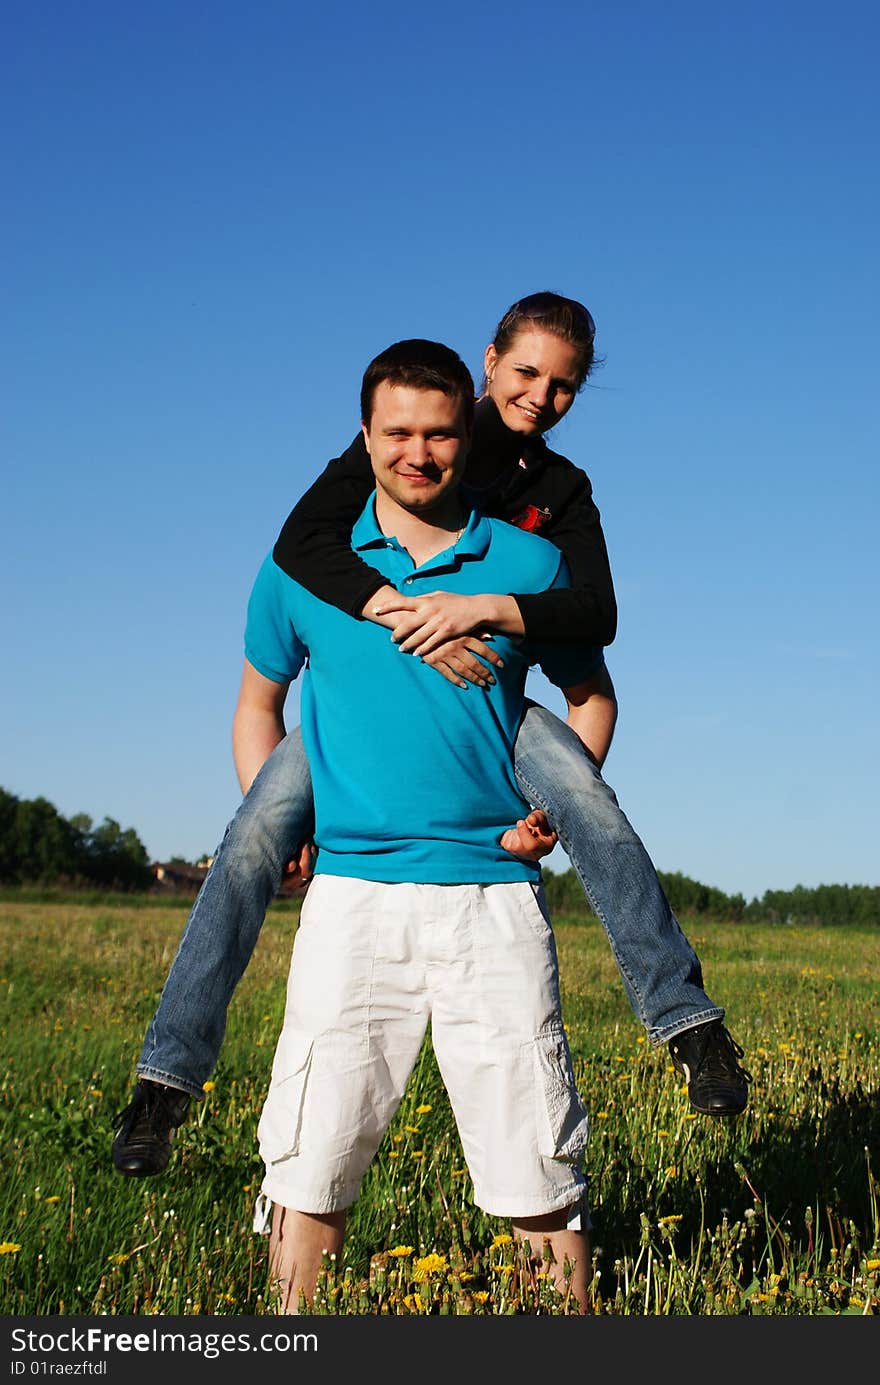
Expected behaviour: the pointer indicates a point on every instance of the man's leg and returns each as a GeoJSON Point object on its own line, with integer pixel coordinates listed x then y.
{"type": "Point", "coordinates": [298, 1243]}
{"type": "Point", "coordinates": [661, 973]}
{"type": "Point", "coordinates": [184, 1037]}
{"type": "Point", "coordinates": [354, 1022]}
{"type": "Point", "coordinates": [500, 1044]}
{"type": "Point", "coordinates": [565, 1246]}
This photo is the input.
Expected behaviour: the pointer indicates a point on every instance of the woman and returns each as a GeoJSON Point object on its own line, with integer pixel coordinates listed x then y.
{"type": "Point", "coordinates": [541, 354]}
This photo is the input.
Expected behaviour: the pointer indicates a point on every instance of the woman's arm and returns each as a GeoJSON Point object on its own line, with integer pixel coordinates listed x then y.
{"type": "Point", "coordinates": [587, 612]}
{"type": "Point", "coordinates": [554, 499]}
{"type": "Point", "coordinates": [314, 546]}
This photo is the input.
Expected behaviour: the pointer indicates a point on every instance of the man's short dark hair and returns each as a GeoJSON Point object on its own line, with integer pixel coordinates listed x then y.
{"type": "Point", "coordinates": [420, 365]}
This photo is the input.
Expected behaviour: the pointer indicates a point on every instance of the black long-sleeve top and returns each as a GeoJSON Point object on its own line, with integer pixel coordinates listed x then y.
{"type": "Point", "coordinates": [508, 477]}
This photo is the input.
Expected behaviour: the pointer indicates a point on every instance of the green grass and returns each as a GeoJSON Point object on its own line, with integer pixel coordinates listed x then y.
{"type": "Point", "coordinates": [774, 1213]}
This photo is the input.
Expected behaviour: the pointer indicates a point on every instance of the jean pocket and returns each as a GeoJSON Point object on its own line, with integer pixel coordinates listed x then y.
{"type": "Point", "coordinates": [280, 1124]}
{"type": "Point", "coordinates": [563, 1123]}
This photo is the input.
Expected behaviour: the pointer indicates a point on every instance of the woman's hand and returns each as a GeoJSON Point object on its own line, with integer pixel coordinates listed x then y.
{"type": "Point", "coordinates": [461, 661]}
{"type": "Point", "coordinates": [532, 838]}
{"type": "Point", "coordinates": [423, 623]}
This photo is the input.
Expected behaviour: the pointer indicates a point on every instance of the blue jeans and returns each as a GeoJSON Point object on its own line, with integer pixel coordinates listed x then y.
{"type": "Point", "coordinates": [661, 973]}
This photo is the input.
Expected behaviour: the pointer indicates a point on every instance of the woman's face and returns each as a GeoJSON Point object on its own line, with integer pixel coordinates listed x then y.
{"type": "Point", "coordinates": [534, 383]}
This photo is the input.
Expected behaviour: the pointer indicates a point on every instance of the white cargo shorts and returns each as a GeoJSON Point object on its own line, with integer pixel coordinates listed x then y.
{"type": "Point", "coordinates": [373, 964]}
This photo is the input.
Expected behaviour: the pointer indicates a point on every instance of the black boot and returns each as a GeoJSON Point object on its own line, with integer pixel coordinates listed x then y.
{"type": "Point", "coordinates": [143, 1142]}
{"type": "Point", "coordinates": [707, 1057]}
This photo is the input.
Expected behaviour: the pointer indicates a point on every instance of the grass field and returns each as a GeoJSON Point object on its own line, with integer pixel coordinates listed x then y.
{"type": "Point", "coordinates": [774, 1213]}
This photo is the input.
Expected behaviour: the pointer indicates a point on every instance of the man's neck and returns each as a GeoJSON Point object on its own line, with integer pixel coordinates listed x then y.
{"type": "Point", "coordinates": [423, 534]}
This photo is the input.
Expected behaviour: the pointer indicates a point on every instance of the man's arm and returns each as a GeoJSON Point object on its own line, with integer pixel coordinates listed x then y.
{"type": "Point", "coordinates": [258, 723]}
{"type": "Point", "coordinates": [592, 713]}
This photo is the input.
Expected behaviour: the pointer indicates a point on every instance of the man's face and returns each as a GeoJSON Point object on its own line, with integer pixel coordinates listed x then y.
{"type": "Point", "coordinates": [418, 442]}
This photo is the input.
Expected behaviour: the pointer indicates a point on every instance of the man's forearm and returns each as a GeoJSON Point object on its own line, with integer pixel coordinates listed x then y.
{"type": "Point", "coordinates": [593, 716]}
{"type": "Point", "coordinates": [254, 737]}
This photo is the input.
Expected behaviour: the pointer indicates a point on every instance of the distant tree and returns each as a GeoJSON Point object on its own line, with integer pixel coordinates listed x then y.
{"type": "Point", "coordinates": [115, 857]}
{"type": "Point", "coordinates": [44, 845]}
{"type": "Point", "coordinates": [38, 846]}
{"type": "Point", "coordinates": [8, 807]}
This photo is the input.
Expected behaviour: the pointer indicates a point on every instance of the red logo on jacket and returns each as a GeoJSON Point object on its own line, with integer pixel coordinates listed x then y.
{"type": "Point", "coordinates": [531, 518]}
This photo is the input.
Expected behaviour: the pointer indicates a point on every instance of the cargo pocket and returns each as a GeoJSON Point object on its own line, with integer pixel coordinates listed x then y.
{"type": "Point", "coordinates": [563, 1124]}
{"type": "Point", "coordinates": [281, 1120]}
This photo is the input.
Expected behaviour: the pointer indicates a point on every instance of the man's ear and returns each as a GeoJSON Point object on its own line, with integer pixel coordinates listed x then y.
{"type": "Point", "coordinates": [365, 429]}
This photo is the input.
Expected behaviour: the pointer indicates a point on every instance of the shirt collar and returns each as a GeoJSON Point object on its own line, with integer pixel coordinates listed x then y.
{"type": "Point", "coordinates": [473, 543]}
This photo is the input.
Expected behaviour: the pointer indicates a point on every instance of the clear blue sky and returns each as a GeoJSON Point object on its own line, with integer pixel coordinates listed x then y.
{"type": "Point", "coordinates": [216, 214]}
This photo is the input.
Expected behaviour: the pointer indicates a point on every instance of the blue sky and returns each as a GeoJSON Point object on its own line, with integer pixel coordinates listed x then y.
{"type": "Point", "coordinates": [215, 215]}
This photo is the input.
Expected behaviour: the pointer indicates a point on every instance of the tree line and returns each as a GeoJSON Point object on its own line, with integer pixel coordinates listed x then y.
{"type": "Point", "coordinates": [38, 846]}
{"type": "Point", "coordinates": [824, 904]}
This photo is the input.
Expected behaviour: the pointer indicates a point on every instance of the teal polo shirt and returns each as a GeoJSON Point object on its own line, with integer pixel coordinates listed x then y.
{"type": "Point", "coordinates": [413, 777]}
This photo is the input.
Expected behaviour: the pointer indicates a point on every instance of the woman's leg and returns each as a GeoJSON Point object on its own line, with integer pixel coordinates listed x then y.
{"type": "Point", "coordinates": [183, 1040]}
{"type": "Point", "coordinates": [660, 970]}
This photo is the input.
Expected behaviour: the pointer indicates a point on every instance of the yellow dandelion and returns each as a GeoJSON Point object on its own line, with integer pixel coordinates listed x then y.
{"type": "Point", "coordinates": [399, 1251]}
{"type": "Point", "coordinates": [459, 1173]}
{"type": "Point", "coordinates": [96, 1091]}
{"type": "Point", "coordinates": [208, 1086]}
{"type": "Point", "coordinates": [418, 1154]}
{"type": "Point", "coordinates": [481, 1296]}
{"type": "Point", "coordinates": [397, 1139]}
{"type": "Point", "coordinates": [669, 1221]}
{"type": "Point", "coordinates": [857, 1036]}
{"type": "Point", "coordinates": [640, 1039]}
{"type": "Point", "coordinates": [662, 1134]}
{"type": "Point", "coordinates": [427, 1265]}
{"type": "Point", "coordinates": [412, 1130]}
{"type": "Point", "coordinates": [247, 1187]}
{"type": "Point", "coordinates": [601, 1115]}
{"type": "Point", "coordinates": [502, 1240]}
{"type": "Point", "coordinates": [874, 1264]}
{"type": "Point", "coordinates": [393, 1154]}
{"type": "Point", "coordinates": [691, 1116]}
{"type": "Point", "coordinates": [118, 1259]}
{"type": "Point", "coordinates": [9, 1247]}
{"type": "Point", "coordinates": [672, 1171]}
{"type": "Point", "coordinates": [53, 1198]}
{"type": "Point", "coordinates": [423, 1110]}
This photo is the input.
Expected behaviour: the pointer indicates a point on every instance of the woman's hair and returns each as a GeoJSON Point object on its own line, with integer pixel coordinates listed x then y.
{"type": "Point", "coordinates": [421, 365]}
{"type": "Point", "coordinates": [550, 312]}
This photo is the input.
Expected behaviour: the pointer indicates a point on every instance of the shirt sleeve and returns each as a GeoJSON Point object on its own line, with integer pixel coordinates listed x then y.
{"type": "Point", "coordinates": [565, 665]}
{"type": "Point", "coordinates": [271, 643]}
{"type": "Point", "coordinates": [586, 612]}
{"type": "Point", "coordinates": [314, 546]}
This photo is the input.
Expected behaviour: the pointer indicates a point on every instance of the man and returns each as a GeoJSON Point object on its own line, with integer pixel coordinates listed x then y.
{"type": "Point", "coordinates": [416, 913]}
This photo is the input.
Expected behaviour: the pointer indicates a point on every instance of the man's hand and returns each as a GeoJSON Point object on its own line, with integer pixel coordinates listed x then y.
{"type": "Point", "coordinates": [532, 838]}
{"type": "Point", "coordinates": [461, 661]}
{"type": "Point", "coordinates": [302, 868]}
